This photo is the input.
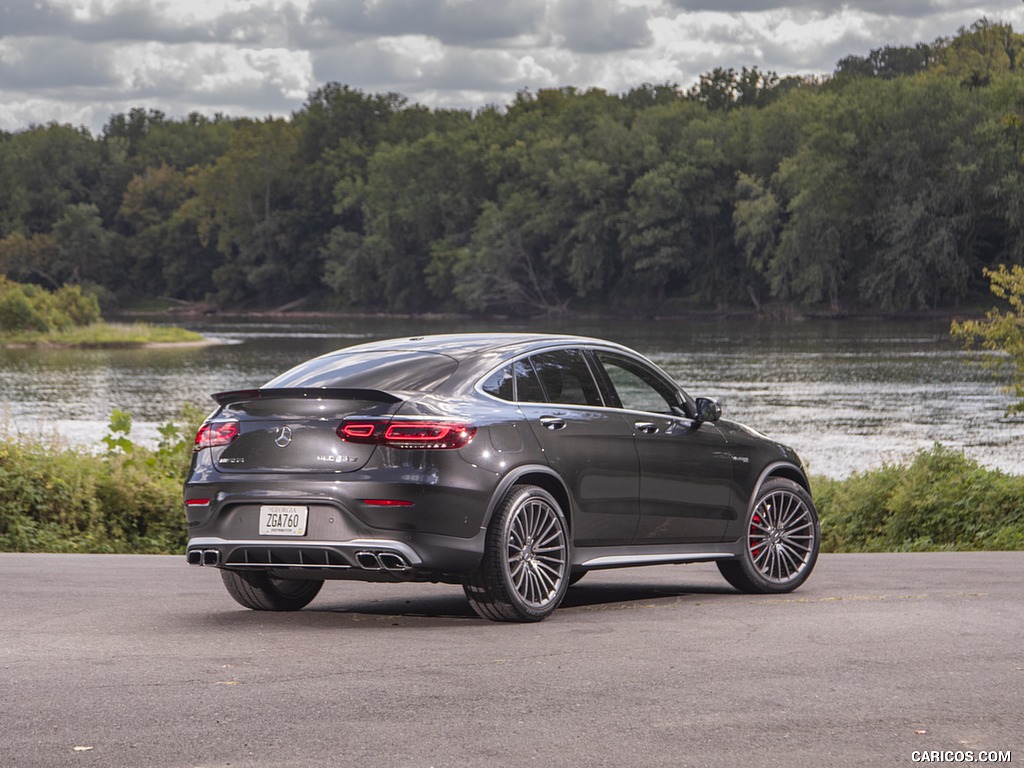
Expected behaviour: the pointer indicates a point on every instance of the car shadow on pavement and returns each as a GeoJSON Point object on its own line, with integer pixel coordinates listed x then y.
{"type": "Point", "coordinates": [447, 605]}
{"type": "Point", "coordinates": [453, 605]}
{"type": "Point", "coordinates": [624, 593]}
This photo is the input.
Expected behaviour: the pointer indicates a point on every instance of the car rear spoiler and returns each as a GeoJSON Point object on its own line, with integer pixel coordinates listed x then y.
{"type": "Point", "coordinates": [242, 395]}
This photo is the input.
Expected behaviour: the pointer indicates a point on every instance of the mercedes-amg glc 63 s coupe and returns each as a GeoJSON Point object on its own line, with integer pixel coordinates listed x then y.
{"type": "Point", "coordinates": [511, 464]}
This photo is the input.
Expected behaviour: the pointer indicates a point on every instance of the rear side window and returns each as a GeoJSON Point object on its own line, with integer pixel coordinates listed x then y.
{"type": "Point", "coordinates": [500, 384]}
{"type": "Point", "coordinates": [564, 378]}
{"type": "Point", "coordinates": [516, 381]}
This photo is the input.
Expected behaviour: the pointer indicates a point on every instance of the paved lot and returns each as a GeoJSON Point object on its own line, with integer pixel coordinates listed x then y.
{"type": "Point", "coordinates": [142, 661]}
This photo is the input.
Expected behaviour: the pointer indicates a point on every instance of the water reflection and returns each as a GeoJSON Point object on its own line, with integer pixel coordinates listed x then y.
{"type": "Point", "coordinates": [847, 395]}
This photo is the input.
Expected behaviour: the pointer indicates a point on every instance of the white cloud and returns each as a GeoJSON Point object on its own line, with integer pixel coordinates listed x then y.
{"type": "Point", "coordinates": [80, 60]}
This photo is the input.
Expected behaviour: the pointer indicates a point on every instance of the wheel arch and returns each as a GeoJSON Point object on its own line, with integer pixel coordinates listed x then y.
{"type": "Point", "coordinates": [533, 474]}
{"type": "Point", "coordinates": [783, 469]}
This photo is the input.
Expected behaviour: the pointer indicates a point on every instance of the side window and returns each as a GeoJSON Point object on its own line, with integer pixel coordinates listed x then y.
{"type": "Point", "coordinates": [565, 378]}
{"type": "Point", "coordinates": [638, 387]}
{"type": "Point", "coordinates": [499, 384]}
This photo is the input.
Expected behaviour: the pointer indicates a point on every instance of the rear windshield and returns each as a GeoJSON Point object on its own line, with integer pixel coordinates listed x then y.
{"type": "Point", "coordinates": [386, 370]}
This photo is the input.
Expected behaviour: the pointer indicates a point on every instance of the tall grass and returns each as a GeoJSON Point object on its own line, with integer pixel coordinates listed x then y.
{"type": "Point", "coordinates": [58, 498]}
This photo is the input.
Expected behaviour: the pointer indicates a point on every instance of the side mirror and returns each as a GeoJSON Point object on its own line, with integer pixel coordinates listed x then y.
{"type": "Point", "coordinates": [708, 409]}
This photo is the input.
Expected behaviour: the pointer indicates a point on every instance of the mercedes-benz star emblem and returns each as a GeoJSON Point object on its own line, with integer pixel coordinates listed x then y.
{"type": "Point", "coordinates": [284, 436]}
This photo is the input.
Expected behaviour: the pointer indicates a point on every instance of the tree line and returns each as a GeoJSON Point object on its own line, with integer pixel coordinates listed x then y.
{"type": "Point", "coordinates": [888, 186]}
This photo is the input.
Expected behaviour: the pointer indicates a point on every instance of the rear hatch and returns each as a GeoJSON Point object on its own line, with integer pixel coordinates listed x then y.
{"type": "Point", "coordinates": [295, 430]}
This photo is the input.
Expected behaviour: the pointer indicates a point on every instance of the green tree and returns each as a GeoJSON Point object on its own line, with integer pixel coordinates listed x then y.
{"type": "Point", "coordinates": [1001, 333]}
{"type": "Point", "coordinates": [677, 234]}
{"type": "Point", "coordinates": [166, 255]}
{"type": "Point", "coordinates": [724, 89]}
{"type": "Point", "coordinates": [418, 198]}
{"type": "Point", "coordinates": [42, 171]}
{"type": "Point", "coordinates": [980, 52]}
{"type": "Point", "coordinates": [83, 247]}
{"type": "Point", "coordinates": [888, 62]}
{"type": "Point", "coordinates": [29, 258]}
{"type": "Point", "coordinates": [923, 159]}
{"type": "Point", "coordinates": [245, 208]}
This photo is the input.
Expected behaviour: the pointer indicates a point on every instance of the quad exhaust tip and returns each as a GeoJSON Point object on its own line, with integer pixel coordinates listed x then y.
{"type": "Point", "coordinates": [210, 557]}
{"type": "Point", "coordinates": [382, 561]}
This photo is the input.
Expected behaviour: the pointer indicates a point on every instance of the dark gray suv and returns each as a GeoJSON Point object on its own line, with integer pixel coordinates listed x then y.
{"type": "Point", "coordinates": [509, 463]}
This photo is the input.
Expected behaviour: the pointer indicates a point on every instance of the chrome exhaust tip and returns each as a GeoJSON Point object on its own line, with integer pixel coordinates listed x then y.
{"type": "Point", "coordinates": [391, 561]}
{"type": "Point", "coordinates": [211, 557]}
{"type": "Point", "coordinates": [194, 557]}
{"type": "Point", "coordinates": [368, 561]}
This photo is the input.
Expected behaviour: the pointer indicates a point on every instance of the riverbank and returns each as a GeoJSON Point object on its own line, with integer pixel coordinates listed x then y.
{"type": "Point", "coordinates": [104, 335]}
{"type": "Point", "coordinates": [302, 311]}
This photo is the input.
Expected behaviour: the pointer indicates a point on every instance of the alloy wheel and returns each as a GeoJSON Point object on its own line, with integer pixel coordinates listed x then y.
{"type": "Point", "coordinates": [536, 551]}
{"type": "Point", "coordinates": [781, 539]}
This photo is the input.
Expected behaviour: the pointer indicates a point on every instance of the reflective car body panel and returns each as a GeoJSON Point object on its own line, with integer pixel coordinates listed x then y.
{"type": "Point", "coordinates": [398, 458]}
{"type": "Point", "coordinates": [692, 505]}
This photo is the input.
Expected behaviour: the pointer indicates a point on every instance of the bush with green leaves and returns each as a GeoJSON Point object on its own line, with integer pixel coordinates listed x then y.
{"type": "Point", "coordinates": [56, 498]}
{"type": "Point", "coordinates": [941, 500]}
{"type": "Point", "coordinates": [1000, 336]}
{"type": "Point", "coordinates": [25, 307]}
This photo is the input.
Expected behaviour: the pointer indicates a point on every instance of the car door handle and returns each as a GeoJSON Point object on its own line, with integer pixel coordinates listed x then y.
{"type": "Point", "coordinates": [552, 422]}
{"type": "Point", "coordinates": [647, 427]}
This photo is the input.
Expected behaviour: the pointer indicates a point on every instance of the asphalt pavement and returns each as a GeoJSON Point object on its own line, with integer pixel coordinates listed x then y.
{"type": "Point", "coordinates": [878, 660]}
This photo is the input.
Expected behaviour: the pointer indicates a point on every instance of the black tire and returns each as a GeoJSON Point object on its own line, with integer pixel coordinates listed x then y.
{"type": "Point", "coordinates": [575, 576]}
{"type": "Point", "coordinates": [262, 592]}
{"type": "Point", "coordinates": [780, 541]}
{"type": "Point", "coordinates": [524, 573]}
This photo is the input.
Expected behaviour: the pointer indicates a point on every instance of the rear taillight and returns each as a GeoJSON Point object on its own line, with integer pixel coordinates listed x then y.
{"type": "Point", "coordinates": [407, 434]}
{"type": "Point", "coordinates": [215, 433]}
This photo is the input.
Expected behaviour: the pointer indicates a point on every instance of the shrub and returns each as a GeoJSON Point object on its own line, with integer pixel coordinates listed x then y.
{"type": "Point", "coordinates": [31, 308]}
{"type": "Point", "coordinates": [55, 498]}
{"type": "Point", "coordinates": [942, 500]}
{"type": "Point", "coordinates": [17, 313]}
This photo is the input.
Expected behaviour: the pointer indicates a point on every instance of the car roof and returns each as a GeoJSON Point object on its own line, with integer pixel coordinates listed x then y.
{"type": "Point", "coordinates": [461, 346]}
{"type": "Point", "coordinates": [430, 363]}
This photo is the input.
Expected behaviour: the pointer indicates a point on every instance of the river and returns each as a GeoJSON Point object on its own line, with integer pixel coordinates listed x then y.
{"type": "Point", "coordinates": [848, 395]}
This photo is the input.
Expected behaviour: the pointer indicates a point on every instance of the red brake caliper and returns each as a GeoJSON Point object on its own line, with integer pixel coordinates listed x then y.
{"type": "Point", "coordinates": [754, 532]}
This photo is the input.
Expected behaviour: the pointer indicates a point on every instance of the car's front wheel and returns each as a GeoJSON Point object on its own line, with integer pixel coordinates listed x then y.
{"type": "Point", "coordinates": [525, 569]}
{"type": "Point", "coordinates": [262, 592]}
{"type": "Point", "coordinates": [780, 542]}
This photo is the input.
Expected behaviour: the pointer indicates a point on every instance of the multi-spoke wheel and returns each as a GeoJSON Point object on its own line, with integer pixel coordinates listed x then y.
{"type": "Point", "coordinates": [525, 568]}
{"type": "Point", "coordinates": [780, 543]}
{"type": "Point", "coordinates": [262, 592]}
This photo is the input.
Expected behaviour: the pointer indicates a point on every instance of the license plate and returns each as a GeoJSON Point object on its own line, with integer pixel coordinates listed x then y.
{"type": "Point", "coordinates": [283, 520]}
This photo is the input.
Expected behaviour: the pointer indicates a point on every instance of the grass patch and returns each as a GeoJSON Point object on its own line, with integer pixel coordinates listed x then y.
{"type": "Point", "coordinates": [103, 334]}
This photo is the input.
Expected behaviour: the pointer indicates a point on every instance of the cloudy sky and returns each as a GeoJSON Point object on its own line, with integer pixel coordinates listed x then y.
{"type": "Point", "coordinates": [79, 61]}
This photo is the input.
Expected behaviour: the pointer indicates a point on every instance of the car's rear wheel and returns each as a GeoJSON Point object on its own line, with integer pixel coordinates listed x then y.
{"type": "Point", "coordinates": [262, 592]}
{"type": "Point", "coordinates": [781, 540]}
{"type": "Point", "coordinates": [525, 569]}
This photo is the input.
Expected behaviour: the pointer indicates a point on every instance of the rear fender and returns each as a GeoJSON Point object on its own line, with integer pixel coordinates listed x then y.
{"type": "Point", "coordinates": [533, 474]}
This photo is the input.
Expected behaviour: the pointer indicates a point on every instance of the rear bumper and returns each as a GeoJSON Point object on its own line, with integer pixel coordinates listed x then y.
{"type": "Point", "coordinates": [394, 521]}
{"type": "Point", "coordinates": [424, 557]}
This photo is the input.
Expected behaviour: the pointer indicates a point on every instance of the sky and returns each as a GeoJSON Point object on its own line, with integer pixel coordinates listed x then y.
{"type": "Point", "coordinates": [80, 61]}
